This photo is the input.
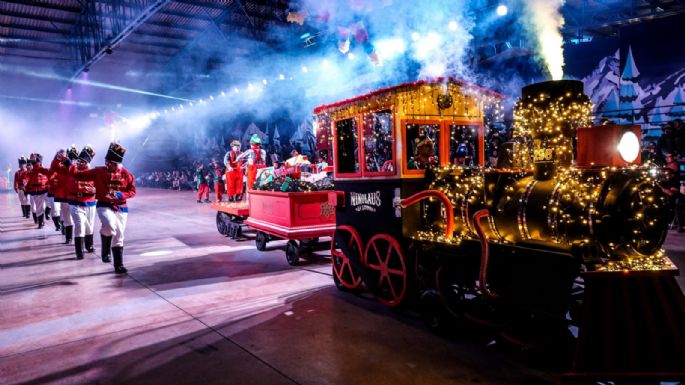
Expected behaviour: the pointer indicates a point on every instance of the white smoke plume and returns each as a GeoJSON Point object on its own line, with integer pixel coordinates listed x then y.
{"type": "Point", "coordinates": [545, 24]}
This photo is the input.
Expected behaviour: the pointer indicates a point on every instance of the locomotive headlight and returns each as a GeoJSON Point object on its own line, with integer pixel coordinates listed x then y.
{"type": "Point", "coordinates": [629, 146]}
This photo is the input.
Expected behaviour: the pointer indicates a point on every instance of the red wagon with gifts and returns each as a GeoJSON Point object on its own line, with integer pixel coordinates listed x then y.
{"type": "Point", "coordinates": [298, 217]}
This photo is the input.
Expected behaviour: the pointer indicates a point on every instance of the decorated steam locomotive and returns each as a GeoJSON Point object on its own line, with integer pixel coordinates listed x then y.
{"type": "Point", "coordinates": [422, 217]}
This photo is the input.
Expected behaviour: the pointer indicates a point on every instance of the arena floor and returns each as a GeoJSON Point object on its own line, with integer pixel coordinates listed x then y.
{"type": "Point", "coordinates": [198, 308]}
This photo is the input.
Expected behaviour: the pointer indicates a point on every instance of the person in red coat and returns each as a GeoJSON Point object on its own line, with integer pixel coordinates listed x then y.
{"type": "Point", "coordinates": [82, 204]}
{"type": "Point", "coordinates": [114, 185]}
{"type": "Point", "coordinates": [256, 159]}
{"type": "Point", "coordinates": [20, 182]}
{"type": "Point", "coordinates": [53, 208]}
{"type": "Point", "coordinates": [38, 188]}
{"type": "Point", "coordinates": [218, 173]}
{"type": "Point", "coordinates": [234, 172]}
{"type": "Point", "coordinates": [62, 195]}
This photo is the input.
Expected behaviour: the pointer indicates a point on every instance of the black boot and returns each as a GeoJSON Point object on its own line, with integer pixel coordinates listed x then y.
{"type": "Point", "coordinates": [88, 242]}
{"type": "Point", "coordinates": [35, 218]}
{"type": "Point", "coordinates": [63, 228]}
{"type": "Point", "coordinates": [56, 221]}
{"type": "Point", "coordinates": [41, 221]}
{"type": "Point", "coordinates": [23, 211]}
{"type": "Point", "coordinates": [78, 246]}
{"type": "Point", "coordinates": [118, 254]}
{"type": "Point", "coordinates": [106, 247]}
{"type": "Point", "coordinates": [68, 233]}
{"type": "Point", "coordinates": [28, 211]}
{"type": "Point", "coordinates": [47, 212]}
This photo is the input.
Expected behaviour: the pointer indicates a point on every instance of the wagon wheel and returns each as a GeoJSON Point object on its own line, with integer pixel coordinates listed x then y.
{"type": "Point", "coordinates": [260, 240]}
{"type": "Point", "coordinates": [386, 263]}
{"type": "Point", "coordinates": [344, 274]}
{"type": "Point", "coordinates": [221, 223]}
{"type": "Point", "coordinates": [292, 253]}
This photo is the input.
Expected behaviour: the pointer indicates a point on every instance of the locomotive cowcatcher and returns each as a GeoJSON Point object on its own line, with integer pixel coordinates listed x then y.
{"type": "Point", "coordinates": [422, 218]}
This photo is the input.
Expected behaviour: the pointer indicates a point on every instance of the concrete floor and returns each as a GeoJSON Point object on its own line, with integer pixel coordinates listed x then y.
{"type": "Point", "coordinates": [198, 308]}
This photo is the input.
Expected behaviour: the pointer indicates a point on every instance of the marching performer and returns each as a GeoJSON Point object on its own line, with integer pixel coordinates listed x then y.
{"type": "Point", "coordinates": [113, 186]}
{"type": "Point", "coordinates": [62, 196]}
{"type": "Point", "coordinates": [82, 205]}
{"type": "Point", "coordinates": [256, 159]}
{"type": "Point", "coordinates": [202, 183]}
{"type": "Point", "coordinates": [217, 172]}
{"type": "Point", "coordinates": [234, 173]}
{"type": "Point", "coordinates": [53, 208]}
{"type": "Point", "coordinates": [38, 188]}
{"type": "Point", "coordinates": [20, 181]}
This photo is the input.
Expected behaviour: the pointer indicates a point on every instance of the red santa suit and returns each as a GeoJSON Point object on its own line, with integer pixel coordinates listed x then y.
{"type": "Point", "coordinates": [234, 172]}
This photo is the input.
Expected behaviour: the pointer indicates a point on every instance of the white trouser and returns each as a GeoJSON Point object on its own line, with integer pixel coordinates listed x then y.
{"type": "Point", "coordinates": [38, 203]}
{"type": "Point", "coordinates": [23, 198]}
{"type": "Point", "coordinates": [84, 220]}
{"type": "Point", "coordinates": [65, 214]}
{"type": "Point", "coordinates": [113, 224]}
{"type": "Point", "coordinates": [54, 206]}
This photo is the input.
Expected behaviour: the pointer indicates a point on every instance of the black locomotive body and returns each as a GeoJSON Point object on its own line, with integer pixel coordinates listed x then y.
{"type": "Point", "coordinates": [501, 245]}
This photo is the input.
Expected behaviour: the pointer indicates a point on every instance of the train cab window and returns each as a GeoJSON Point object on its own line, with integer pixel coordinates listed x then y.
{"type": "Point", "coordinates": [423, 145]}
{"type": "Point", "coordinates": [347, 135]}
{"type": "Point", "coordinates": [378, 143]}
{"type": "Point", "coordinates": [464, 144]}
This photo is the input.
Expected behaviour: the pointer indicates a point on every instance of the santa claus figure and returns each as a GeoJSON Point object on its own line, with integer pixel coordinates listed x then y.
{"type": "Point", "coordinates": [234, 173]}
{"type": "Point", "coordinates": [255, 157]}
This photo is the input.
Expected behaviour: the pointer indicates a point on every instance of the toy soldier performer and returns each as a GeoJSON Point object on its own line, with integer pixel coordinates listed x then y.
{"type": "Point", "coordinates": [113, 186]}
{"type": "Point", "coordinates": [62, 195]}
{"type": "Point", "coordinates": [53, 208]}
{"type": "Point", "coordinates": [20, 181]}
{"type": "Point", "coordinates": [234, 173]}
{"type": "Point", "coordinates": [38, 188]}
{"type": "Point", "coordinates": [82, 204]}
{"type": "Point", "coordinates": [256, 159]}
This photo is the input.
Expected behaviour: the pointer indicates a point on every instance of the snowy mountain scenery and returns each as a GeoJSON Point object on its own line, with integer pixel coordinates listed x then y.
{"type": "Point", "coordinates": [625, 97]}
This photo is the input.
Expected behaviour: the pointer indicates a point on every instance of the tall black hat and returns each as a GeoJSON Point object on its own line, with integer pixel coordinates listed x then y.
{"type": "Point", "coordinates": [115, 153]}
{"type": "Point", "coordinates": [37, 158]}
{"type": "Point", "coordinates": [72, 152]}
{"type": "Point", "coordinates": [22, 161]}
{"type": "Point", "coordinates": [87, 154]}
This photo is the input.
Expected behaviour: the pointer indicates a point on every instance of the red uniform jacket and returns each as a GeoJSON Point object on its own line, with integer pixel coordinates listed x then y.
{"type": "Point", "coordinates": [79, 192]}
{"type": "Point", "coordinates": [38, 180]}
{"type": "Point", "coordinates": [57, 185]}
{"type": "Point", "coordinates": [112, 189]}
{"type": "Point", "coordinates": [21, 178]}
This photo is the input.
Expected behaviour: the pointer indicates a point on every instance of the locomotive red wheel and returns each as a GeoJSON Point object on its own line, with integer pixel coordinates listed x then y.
{"type": "Point", "coordinates": [386, 262]}
{"type": "Point", "coordinates": [342, 268]}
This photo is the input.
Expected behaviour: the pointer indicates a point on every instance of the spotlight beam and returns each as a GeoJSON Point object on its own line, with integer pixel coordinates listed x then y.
{"type": "Point", "coordinates": [53, 101]}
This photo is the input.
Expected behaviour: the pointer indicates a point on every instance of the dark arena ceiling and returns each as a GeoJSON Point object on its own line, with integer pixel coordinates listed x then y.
{"type": "Point", "coordinates": [76, 36]}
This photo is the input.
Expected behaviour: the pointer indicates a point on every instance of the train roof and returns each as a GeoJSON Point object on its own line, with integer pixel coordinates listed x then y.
{"type": "Point", "coordinates": [325, 107]}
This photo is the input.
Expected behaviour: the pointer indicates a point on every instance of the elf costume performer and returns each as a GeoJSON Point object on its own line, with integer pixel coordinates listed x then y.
{"type": "Point", "coordinates": [234, 173]}
{"type": "Point", "coordinates": [202, 183]}
{"type": "Point", "coordinates": [218, 173]}
{"type": "Point", "coordinates": [256, 159]}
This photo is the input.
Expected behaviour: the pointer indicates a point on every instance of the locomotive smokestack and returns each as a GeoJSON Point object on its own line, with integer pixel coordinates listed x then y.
{"type": "Point", "coordinates": [550, 112]}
